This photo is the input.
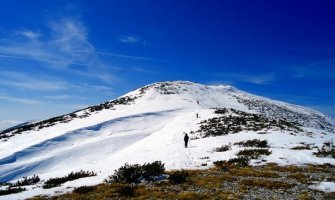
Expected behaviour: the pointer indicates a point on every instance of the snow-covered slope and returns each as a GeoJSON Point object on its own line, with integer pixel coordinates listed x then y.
{"type": "Point", "coordinates": [148, 124]}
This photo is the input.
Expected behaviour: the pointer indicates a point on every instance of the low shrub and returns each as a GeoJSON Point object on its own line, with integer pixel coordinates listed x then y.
{"type": "Point", "coordinates": [304, 147]}
{"type": "Point", "coordinates": [4, 183]}
{"type": "Point", "coordinates": [238, 162]}
{"type": "Point", "coordinates": [253, 143]}
{"type": "Point", "coordinates": [178, 177]}
{"type": "Point", "coordinates": [152, 170]}
{"type": "Point", "coordinates": [253, 153]}
{"type": "Point", "coordinates": [126, 174]}
{"type": "Point", "coordinates": [26, 181]}
{"type": "Point", "coordinates": [84, 189]}
{"type": "Point", "coordinates": [327, 150]}
{"type": "Point", "coordinates": [11, 191]}
{"type": "Point", "coordinates": [223, 148]}
{"type": "Point", "coordinates": [126, 190]}
{"type": "Point", "coordinates": [136, 173]}
{"type": "Point", "coordinates": [55, 182]}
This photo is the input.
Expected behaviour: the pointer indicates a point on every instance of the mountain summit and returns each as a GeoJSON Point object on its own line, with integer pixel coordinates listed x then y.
{"type": "Point", "coordinates": [149, 124]}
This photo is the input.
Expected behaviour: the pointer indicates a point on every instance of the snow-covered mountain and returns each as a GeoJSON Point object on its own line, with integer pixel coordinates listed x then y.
{"type": "Point", "coordinates": [149, 124]}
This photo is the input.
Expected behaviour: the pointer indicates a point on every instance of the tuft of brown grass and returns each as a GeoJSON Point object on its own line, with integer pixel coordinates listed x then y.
{"type": "Point", "coordinates": [300, 177]}
{"type": "Point", "coordinates": [254, 173]}
{"type": "Point", "coordinates": [192, 196]}
{"type": "Point", "coordinates": [305, 196]}
{"type": "Point", "coordinates": [287, 169]}
{"type": "Point", "coordinates": [266, 184]}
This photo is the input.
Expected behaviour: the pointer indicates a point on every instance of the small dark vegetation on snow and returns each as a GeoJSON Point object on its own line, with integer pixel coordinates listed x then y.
{"type": "Point", "coordinates": [223, 148]}
{"type": "Point", "coordinates": [55, 182]}
{"type": "Point", "coordinates": [84, 189]}
{"type": "Point", "coordinates": [4, 184]}
{"type": "Point", "coordinates": [10, 190]}
{"type": "Point", "coordinates": [253, 153]}
{"type": "Point", "coordinates": [178, 177]}
{"type": "Point", "coordinates": [152, 170]}
{"type": "Point", "coordinates": [303, 146]}
{"type": "Point", "coordinates": [126, 174]}
{"type": "Point", "coordinates": [253, 143]}
{"type": "Point", "coordinates": [136, 173]}
{"type": "Point", "coordinates": [243, 158]}
{"type": "Point", "coordinates": [292, 117]}
{"type": "Point", "coordinates": [230, 121]}
{"type": "Point", "coordinates": [26, 181]}
{"type": "Point", "coordinates": [15, 187]}
{"type": "Point", "coordinates": [327, 150]}
{"type": "Point", "coordinates": [238, 162]}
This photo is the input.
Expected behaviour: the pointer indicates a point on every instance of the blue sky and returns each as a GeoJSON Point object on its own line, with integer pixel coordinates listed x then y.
{"type": "Point", "coordinates": [59, 56]}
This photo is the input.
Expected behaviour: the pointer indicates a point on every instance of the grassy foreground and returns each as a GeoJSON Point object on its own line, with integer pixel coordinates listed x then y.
{"type": "Point", "coordinates": [221, 182]}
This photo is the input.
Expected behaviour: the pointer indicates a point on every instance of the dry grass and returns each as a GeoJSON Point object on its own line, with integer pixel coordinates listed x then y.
{"type": "Point", "coordinates": [253, 173]}
{"type": "Point", "coordinates": [300, 177]}
{"type": "Point", "coordinates": [265, 183]}
{"type": "Point", "coordinates": [206, 184]}
{"type": "Point", "coordinates": [287, 169]}
{"type": "Point", "coordinates": [305, 196]}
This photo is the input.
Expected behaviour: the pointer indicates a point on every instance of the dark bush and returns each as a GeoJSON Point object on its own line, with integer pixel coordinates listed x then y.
{"type": "Point", "coordinates": [26, 181]}
{"type": "Point", "coordinates": [136, 173]}
{"type": "Point", "coordinates": [238, 162]}
{"type": "Point", "coordinates": [126, 190]}
{"type": "Point", "coordinates": [253, 153]}
{"type": "Point", "coordinates": [127, 174]}
{"type": "Point", "coordinates": [152, 170]}
{"type": "Point", "coordinates": [84, 189]}
{"type": "Point", "coordinates": [253, 143]}
{"type": "Point", "coordinates": [178, 177]}
{"type": "Point", "coordinates": [55, 182]}
{"type": "Point", "coordinates": [4, 183]}
{"type": "Point", "coordinates": [327, 150]}
{"type": "Point", "coordinates": [303, 147]}
{"type": "Point", "coordinates": [11, 191]}
{"type": "Point", "coordinates": [223, 148]}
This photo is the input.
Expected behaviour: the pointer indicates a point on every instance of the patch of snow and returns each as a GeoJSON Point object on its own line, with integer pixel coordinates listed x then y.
{"type": "Point", "coordinates": [324, 187]}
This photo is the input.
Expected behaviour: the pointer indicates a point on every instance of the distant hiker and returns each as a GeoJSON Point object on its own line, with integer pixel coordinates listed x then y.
{"type": "Point", "coordinates": [186, 140]}
{"type": "Point", "coordinates": [197, 102]}
{"type": "Point", "coordinates": [197, 115]}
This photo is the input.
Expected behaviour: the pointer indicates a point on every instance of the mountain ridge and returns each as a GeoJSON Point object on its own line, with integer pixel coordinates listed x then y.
{"type": "Point", "coordinates": [165, 87]}
{"type": "Point", "coordinates": [148, 124]}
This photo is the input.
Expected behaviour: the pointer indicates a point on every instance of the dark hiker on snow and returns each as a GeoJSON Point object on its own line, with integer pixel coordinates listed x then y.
{"type": "Point", "coordinates": [186, 140]}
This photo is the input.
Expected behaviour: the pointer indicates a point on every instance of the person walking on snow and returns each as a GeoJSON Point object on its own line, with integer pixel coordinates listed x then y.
{"type": "Point", "coordinates": [186, 140]}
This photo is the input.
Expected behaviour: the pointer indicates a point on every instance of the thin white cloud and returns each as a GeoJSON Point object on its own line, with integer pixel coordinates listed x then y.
{"type": "Point", "coordinates": [98, 88]}
{"type": "Point", "coordinates": [29, 34]}
{"type": "Point", "coordinates": [127, 56]}
{"type": "Point", "coordinates": [25, 81]}
{"type": "Point", "coordinates": [142, 70]}
{"type": "Point", "coordinates": [20, 100]}
{"type": "Point", "coordinates": [74, 107]}
{"type": "Point", "coordinates": [62, 97]}
{"type": "Point", "coordinates": [65, 48]}
{"type": "Point", "coordinates": [249, 78]}
{"type": "Point", "coordinates": [129, 39]}
{"type": "Point", "coordinates": [256, 79]}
